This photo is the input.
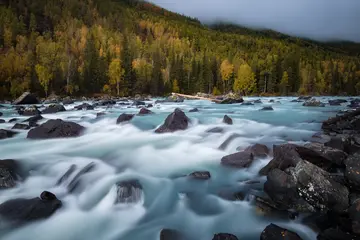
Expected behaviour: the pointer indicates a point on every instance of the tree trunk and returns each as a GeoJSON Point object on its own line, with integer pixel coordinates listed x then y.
{"type": "Point", "coordinates": [118, 88]}
{"type": "Point", "coordinates": [68, 76]}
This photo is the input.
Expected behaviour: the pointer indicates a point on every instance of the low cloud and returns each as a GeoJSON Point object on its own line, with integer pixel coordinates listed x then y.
{"type": "Point", "coordinates": [317, 19]}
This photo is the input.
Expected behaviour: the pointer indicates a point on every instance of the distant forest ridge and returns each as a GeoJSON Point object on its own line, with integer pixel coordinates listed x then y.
{"type": "Point", "coordinates": [126, 47]}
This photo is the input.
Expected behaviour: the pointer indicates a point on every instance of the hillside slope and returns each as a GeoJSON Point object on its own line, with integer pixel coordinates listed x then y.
{"type": "Point", "coordinates": [126, 47]}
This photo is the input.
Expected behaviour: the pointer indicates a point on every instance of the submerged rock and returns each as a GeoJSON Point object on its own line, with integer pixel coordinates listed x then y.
{"type": "Point", "coordinates": [66, 175]}
{"type": "Point", "coordinates": [144, 111]}
{"type": "Point", "coordinates": [100, 114]}
{"type": "Point", "coordinates": [215, 130]}
{"type": "Point", "coordinates": [56, 129]}
{"type": "Point", "coordinates": [54, 108]}
{"type": "Point", "coordinates": [174, 122]}
{"type": "Point", "coordinates": [8, 171]}
{"type": "Point", "coordinates": [26, 98]}
{"type": "Point", "coordinates": [2, 121]}
{"type": "Point", "coordinates": [274, 232]}
{"type": "Point", "coordinates": [6, 134]}
{"type": "Point", "coordinates": [239, 160]}
{"type": "Point", "coordinates": [269, 108]}
{"type": "Point", "coordinates": [194, 110]}
{"type": "Point", "coordinates": [204, 175]}
{"type": "Point", "coordinates": [76, 180]}
{"type": "Point", "coordinates": [124, 118]}
{"type": "Point", "coordinates": [247, 104]}
{"type": "Point", "coordinates": [224, 236]}
{"type": "Point", "coordinates": [129, 192]}
{"type": "Point", "coordinates": [12, 120]}
{"type": "Point", "coordinates": [227, 120]}
{"type": "Point", "coordinates": [224, 145]}
{"type": "Point", "coordinates": [21, 126]}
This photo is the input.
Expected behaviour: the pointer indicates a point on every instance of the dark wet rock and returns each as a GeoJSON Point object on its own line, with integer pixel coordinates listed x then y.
{"type": "Point", "coordinates": [337, 102]}
{"type": "Point", "coordinates": [215, 130]}
{"type": "Point", "coordinates": [129, 191]}
{"type": "Point", "coordinates": [26, 98]}
{"type": "Point", "coordinates": [344, 142]}
{"type": "Point", "coordinates": [174, 122]}
{"type": "Point", "coordinates": [285, 156]}
{"type": "Point", "coordinates": [1, 114]}
{"type": "Point", "coordinates": [269, 108]}
{"type": "Point", "coordinates": [355, 103]}
{"type": "Point", "coordinates": [66, 175]}
{"type": "Point", "coordinates": [138, 103]}
{"type": "Point", "coordinates": [124, 118]}
{"type": "Point", "coordinates": [224, 236]}
{"type": "Point", "coordinates": [33, 120]}
{"type": "Point", "coordinates": [232, 101]}
{"type": "Point", "coordinates": [296, 100]}
{"type": "Point", "coordinates": [6, 134]}
{"type": "Point", "coordinates": [304, 97]}
{"type": "Point", "coordinates": [13, 120]}
{"type": "Point", "coordinates": [149, 105]}
{"type": "Point", "coordinates": [313, 103]}
{"type": "Point", "coordinates": [67, 101]}
{"type": "Point", "coordinates": [21, 126]}
{"type": "Point", "coordinates": [29, 111]}
{"type": "Point", "coordinates": [227, 120]}
{"type": "Point", "coordinates": [258, 150]}
{"type": "Point", "coordinates": [108, 102]}
{"type": "Point", "coordinates": [274, 232]}
{"type": "Point", "coordinates": [145, 111]}
{"type": "Point", "coordinates": [2, 121]}
{"type": "Point", "coordinates": [247, 104]}
{"type": "Point", "coordinates": [194, 110]}
{"type": "Point", "coordinates": [54, 108]}
{"type": "Point", "coordinates": [323, 221]}
{"type": "Point", "coordinates": [8, 173]}
{"type": "Point", "coordinates": [239, 160]}
{"type": "Point", "coordinates": [352, 172]}
{"type": "Point", "coordinates": [56, 129]}
{"type": "Point", "coordinates": [77, 179]}
{"type": "Point", "coordinates": [204, 175]}
{"type": "Point", "coordinates": [354, 213]}
{"type": "Point", "coordinates": [21, 210]}
{"type": "Point", "coordinates": [231, 195]}
{"type": "Point", "coordinates": [347, 122]}
{"type": "Point", "coordinates": [320, 138]}
{"type": "Point", "coordinates": [271, 101]}
{"type": "Point", "coordinates": [336, 234]}
{"type": "Point", "coordinates": [170, 234]}
{"type": "Point", "coordinates": [258, 101]}
{"type": "Point", "coordinates": [84, 106]}
{"type": "Point", "coordinates": [226, 143]}
{"type": "Point", "coordinates": [100, 114]}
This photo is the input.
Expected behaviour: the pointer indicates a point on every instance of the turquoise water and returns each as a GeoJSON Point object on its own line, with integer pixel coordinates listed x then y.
{"type": "Point", "coordinates": [133, 150]}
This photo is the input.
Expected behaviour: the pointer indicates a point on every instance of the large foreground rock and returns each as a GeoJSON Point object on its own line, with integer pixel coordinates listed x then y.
{"type": "Point", "coordinates": [170, 234]}
{"type": "Point", "coordinates": [56, 129]}
{"type": "Point", "coordinates": [347, 122]}
{"type": "Point", "coordinates": [26, 98]}
{"type": "Point", "coordinates": [20, 211]}
{"type": "Point", "coordinates": [224, 236]}
{"type": "Point", "coordinates": [336, 234]}
{"type": "Point", "coordinates": [174, 122]}
{"type": "Point", "coordinates": [352, 172]}
{"type": "Point", "coordinates": [6, 134]}
{"type": "Point", "coordinates": [8, 173]}
{"type": "Point", "coordinates": [54, 108]}
{"type": "Point", "coordinates": [124, 117]}
{"type": "Point", "coordinates": [274, 232]}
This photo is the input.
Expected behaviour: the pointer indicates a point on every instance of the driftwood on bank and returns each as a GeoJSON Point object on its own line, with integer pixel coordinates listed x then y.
{"type": "Point", "coordinates": [196, 97]}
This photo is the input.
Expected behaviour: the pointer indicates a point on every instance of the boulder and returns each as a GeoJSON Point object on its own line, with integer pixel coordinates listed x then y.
{"type": "Point", "coordinates": [215, 130]}
{"type": "Point", "coordinates": [67, 101]}
{"type": "Point", "coordinates": [2, 121]}
{"type": "Point", "coordinates": [6, 134]}
{"type": "Point", "coordinates": [174, 122]}
{"type": "Point", "coordinates": [269, 108]}
{"type": "Point", "coordinates": [8, 173]}
{"type": "Point", "coordinates": [84, 106]}
{"type": "Point", "coordinates": [231, 101]}
{"type": "Point", "coordinates": [337, 102]}
{"type": "Point", "coordinates": [12, 120]}
{"type": "Point", "coordinates": [26, 98]}
{"type": "Point", "coordinates": [56, 129]}
{"type": "Point", "coordinates": [145, 111]}
{"type": "Point", "coordinates": [313, 103]}
{"type": "Point", "coordinates": [274, 232]}
{"type": "Point", "coordinates": [194, 110]}
{"type": "Point", "coordinates": [204, 175]}
{"type": "Point", "coordinates": [170, 234]}
{"type": "Point", "coordinates": [227, 120]}
{"type": "Point", "coordinates": [54, 108]}
{"type": "Point", "coordinates": [21, 126]}
{"type": "Point", "coordinates": [239, 160]}
{"type": "Point", "coordinates": [33, 120]}
{"type": "Point", "coordinates": [336, 234]}
{"type": "Point", "coordinates": [124, 117]}
{"type": "Point", "coordinates": [271, 101]}
{"type": "Point", "coordinates": [29, 111]}
{"type": "Point", "coordinates": [352, 172]}
{"type": "Point", "coordinates": [258, 150]}
{"type": "Point", "coordinates": [129, 192]}
{"type": "Point", "coordinates": [21, 210]}
{"type": "Point", "coordinates": [224, 236]}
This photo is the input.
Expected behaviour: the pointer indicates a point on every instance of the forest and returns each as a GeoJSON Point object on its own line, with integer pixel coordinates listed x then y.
{"type": "Point", "coordinates": [124, 47]}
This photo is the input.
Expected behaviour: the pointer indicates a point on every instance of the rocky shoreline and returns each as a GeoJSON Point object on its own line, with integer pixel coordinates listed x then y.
{"type": "Point", "coordinates": [319, 180]}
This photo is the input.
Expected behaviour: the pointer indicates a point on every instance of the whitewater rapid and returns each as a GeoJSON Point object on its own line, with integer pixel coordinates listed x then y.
{"type": "Point", "coordinates": [158, 161]}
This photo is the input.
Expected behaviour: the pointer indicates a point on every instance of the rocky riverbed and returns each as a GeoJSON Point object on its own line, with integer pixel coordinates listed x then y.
{"type": "Point", "coordinates": [268, 168]}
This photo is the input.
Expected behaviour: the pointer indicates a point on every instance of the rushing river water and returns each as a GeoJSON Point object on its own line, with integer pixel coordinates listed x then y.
{"type": "Point", "coordinates": [134, 151]}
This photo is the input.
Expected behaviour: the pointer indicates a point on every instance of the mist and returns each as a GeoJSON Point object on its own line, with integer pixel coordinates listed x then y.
{"type": "Point", "coordinates": [323, 20]}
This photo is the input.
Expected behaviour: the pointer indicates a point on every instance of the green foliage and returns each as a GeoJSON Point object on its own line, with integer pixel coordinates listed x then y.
{"type": "Point", "coordinates": [130, 47]}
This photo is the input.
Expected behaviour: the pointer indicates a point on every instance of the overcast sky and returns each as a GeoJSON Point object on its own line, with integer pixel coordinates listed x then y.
{"type": "Point", "coordinates": [317, 19]}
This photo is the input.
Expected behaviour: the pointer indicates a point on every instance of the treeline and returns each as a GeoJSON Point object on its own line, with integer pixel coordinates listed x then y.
{"type": "Point", "coordinates": [123, 48]}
